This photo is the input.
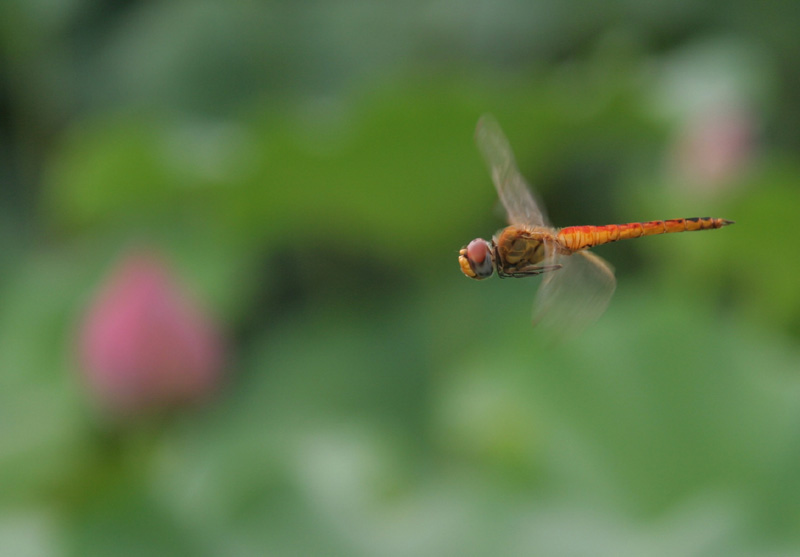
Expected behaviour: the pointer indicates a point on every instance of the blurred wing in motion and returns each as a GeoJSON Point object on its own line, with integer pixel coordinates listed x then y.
{"type": "Point", "coordinates": [575, 296]}
{"type": "Point", "coordinates": [515, 194]}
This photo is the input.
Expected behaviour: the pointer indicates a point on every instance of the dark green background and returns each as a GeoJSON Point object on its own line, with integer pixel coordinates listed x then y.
{"type": "Point", "coordinates": [309, 170]}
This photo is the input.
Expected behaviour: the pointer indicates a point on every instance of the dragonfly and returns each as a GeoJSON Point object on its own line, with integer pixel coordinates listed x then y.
{"type": "Point", "coordinates": [577, 284]}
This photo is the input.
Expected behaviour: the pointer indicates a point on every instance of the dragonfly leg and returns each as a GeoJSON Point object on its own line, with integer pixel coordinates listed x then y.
{"type": "Point", "coordinates": [529, 271]}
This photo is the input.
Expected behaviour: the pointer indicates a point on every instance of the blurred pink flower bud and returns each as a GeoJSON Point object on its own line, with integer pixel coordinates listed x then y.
{"type": "Point", "coordinates": [144, 344]}
{"type": "Point", "coordinates": [713, 148]}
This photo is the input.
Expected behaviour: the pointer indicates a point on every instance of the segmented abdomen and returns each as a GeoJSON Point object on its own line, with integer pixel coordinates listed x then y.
{"type": "Point", "coordinates": [579, 237]}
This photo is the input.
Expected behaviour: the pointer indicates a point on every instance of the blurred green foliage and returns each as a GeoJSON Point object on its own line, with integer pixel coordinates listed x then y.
{"type": "Point", "coordinates": [310, 170]}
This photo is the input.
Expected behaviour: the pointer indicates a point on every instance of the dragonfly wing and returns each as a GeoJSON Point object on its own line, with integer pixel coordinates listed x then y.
{"type": "Point", "coordinates": [515, 194]}
{"type": "Point", "coordinates": [576, 295]}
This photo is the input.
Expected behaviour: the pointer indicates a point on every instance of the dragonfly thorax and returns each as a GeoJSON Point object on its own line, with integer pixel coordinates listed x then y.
{"type": "Point", "coordinates": [477, 259]}
{"type": "Point", "coordinates": [520, 250]}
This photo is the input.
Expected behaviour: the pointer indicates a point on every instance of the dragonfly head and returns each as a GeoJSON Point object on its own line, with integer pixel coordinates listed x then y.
{"type": "Point", "coordinates": [477, 259]}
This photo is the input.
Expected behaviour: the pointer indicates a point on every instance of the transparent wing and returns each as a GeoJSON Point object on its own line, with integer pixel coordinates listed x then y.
{"type": "Point", "coordinates": [521, 205]}
{"type": "Point", "coordinates": [575, 296]}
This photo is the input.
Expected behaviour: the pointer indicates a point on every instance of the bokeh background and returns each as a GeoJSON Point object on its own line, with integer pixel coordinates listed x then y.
{"type": "Point", "coordinates": [232, 320]}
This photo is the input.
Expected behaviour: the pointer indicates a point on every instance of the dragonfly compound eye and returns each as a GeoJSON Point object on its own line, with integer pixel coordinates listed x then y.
{"type": "Point", "coordinates": [476, 259]}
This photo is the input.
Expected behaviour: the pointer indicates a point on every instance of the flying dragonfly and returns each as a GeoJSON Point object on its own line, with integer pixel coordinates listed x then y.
{"type": "Point", "coordinates": [577, 284]}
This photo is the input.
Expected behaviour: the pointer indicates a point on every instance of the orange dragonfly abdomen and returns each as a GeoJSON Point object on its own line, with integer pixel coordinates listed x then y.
{"type": "Point", "coordinates": [576, 238]}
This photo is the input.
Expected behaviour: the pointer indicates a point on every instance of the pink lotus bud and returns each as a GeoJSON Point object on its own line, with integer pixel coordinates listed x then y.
{"type": "Point", "coordinates": [145, 344]}
{"type": "Point", "coordinates": [714, 147]}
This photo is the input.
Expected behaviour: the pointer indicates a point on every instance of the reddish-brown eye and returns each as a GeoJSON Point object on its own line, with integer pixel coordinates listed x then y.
{"type": "Point", "coordinates": [479, 254]}
{"type": "Point", "coordinates": [477, 251]}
